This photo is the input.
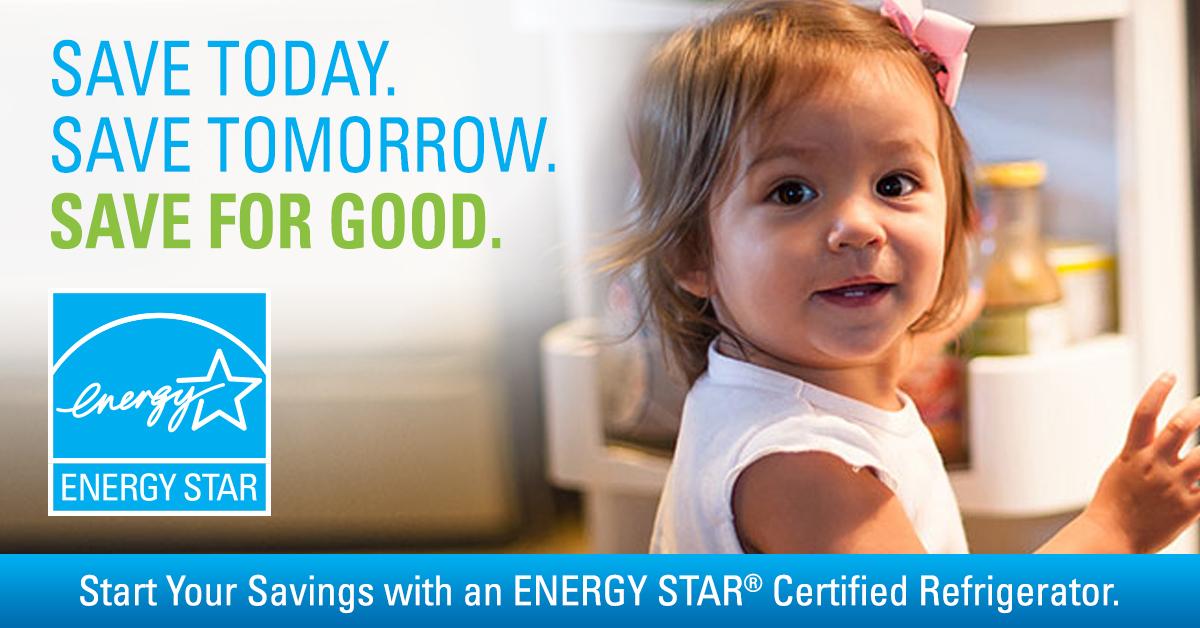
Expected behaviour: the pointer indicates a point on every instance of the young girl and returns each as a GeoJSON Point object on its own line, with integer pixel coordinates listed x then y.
{"type": "Point", "coordinates": [801, 226]}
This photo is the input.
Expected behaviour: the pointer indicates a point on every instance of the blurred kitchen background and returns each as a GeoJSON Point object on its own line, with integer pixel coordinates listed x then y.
{"type": "Point", "coordinates": [462, 400]}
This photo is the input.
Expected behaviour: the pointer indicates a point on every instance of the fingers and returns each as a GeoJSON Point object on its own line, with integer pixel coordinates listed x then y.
{"type": "Point", "coordinates": [1177, 431]}
{"type": "Point", "coordinates": [1145, 418]}
{"type": "Point", "coordinates": [1189, 467]}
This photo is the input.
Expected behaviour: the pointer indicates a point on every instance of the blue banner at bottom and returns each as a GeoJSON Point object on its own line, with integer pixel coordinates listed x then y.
{"type": "Point", "coordinates": [594, 590]}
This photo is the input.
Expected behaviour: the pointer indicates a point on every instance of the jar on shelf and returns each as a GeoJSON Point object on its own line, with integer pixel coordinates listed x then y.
{"type": "Point", "coordinates": [1087, 273]}
{"type": "Point", "coordinates": [1024, 311]}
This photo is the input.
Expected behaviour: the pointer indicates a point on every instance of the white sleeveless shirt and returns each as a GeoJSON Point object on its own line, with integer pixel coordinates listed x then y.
{"type": "Point", "coordinates": [738, 412]}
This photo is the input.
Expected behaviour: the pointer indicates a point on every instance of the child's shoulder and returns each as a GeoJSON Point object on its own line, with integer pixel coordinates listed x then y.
{"type": "Point", "coordinates": [815, 501]}
{"type": "Point", "coordinates": [767, 415]}
{"type": "Point", "coordinates": [738, 398]}
{"type": "Point", "coordinates": [732, 426]}
{"type": "Point", "coordinates": [814, 431]}
{"type": "Point", "coordinates": [751, 452]}
{"type": "Point", "coordinates": [741, 413]}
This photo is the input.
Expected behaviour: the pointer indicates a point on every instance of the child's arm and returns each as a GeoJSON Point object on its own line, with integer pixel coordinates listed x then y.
{"type": "Point", "coordinates": [816, 503]}
{"type": "Point", "coordinates": [1147, 496]}
{"type": "Point", "coordinates": [812, 502]}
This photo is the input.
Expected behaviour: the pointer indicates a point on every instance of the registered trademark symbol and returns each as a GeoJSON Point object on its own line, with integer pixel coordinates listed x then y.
{"type": "Point", "coordinates": [753, 582]}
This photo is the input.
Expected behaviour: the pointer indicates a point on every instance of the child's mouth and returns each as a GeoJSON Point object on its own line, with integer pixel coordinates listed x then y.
{"type": "Point", "coordinates": [856, 295]}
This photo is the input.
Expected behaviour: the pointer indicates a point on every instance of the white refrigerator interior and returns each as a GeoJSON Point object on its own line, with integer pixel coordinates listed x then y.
{"type": "Point", "coordinates": [1095, 89]}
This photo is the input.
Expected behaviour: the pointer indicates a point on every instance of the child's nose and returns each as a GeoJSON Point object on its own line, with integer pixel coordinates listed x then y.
{"type": "Point", "coordinates": [855, 225]}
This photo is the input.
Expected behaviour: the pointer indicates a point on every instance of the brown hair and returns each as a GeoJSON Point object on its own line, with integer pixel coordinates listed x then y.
{"type": "Point", "coordinates": [696, 98]}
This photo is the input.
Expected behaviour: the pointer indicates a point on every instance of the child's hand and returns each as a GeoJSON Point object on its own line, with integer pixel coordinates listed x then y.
{"type": "Point", "coordinates": [1148, 495]}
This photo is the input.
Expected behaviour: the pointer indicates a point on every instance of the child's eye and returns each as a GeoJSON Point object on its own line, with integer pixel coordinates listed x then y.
{"type": "Point", "coordinates": [792, 193]}
{"type": "Point", "coordinates": [895, 185]}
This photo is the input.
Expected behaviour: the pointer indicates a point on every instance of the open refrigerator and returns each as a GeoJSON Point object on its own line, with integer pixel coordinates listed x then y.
{"type": "Point", "coordinates": [1096, 89]}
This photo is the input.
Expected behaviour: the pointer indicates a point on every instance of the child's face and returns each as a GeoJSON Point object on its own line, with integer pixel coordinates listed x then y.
{"type": "Point", "coordinates": [828, 240]}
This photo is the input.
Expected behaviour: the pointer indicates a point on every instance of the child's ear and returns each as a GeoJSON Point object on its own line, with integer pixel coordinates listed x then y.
{"type": "Point", "coordinates": [690, 272]}
{"type": "Point", "coordinates": [691, 276]}
{"type": "Point", "coordinates": [696, 282]}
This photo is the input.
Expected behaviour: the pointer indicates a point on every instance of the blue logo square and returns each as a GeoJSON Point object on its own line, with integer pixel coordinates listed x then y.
{"type": "Point", "coordinates": [159, 404]}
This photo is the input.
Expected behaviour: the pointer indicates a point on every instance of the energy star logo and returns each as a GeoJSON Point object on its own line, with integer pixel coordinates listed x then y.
{"type": "Point", "coordinates": [160, 404]}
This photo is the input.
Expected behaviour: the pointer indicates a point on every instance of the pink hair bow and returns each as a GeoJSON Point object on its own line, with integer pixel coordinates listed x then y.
{"type": "Point", "coordinates": [941, 34]}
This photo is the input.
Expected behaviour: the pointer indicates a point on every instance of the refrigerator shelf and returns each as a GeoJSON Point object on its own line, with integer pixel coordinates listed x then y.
{"type": "Point", "coordinates": [1042, 428]}
{"type": "Point", "coordinates": [660, 16]}
{"type": "Point", "coordinates": [1029, 12]}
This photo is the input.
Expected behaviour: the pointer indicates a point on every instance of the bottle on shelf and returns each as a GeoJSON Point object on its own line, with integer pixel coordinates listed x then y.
{"type": "Point", "coordinates": [1024, 310]}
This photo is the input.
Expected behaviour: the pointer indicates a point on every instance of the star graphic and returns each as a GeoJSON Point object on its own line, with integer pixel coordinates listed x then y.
{"type": "Point", "coordinates": [252, 383]}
